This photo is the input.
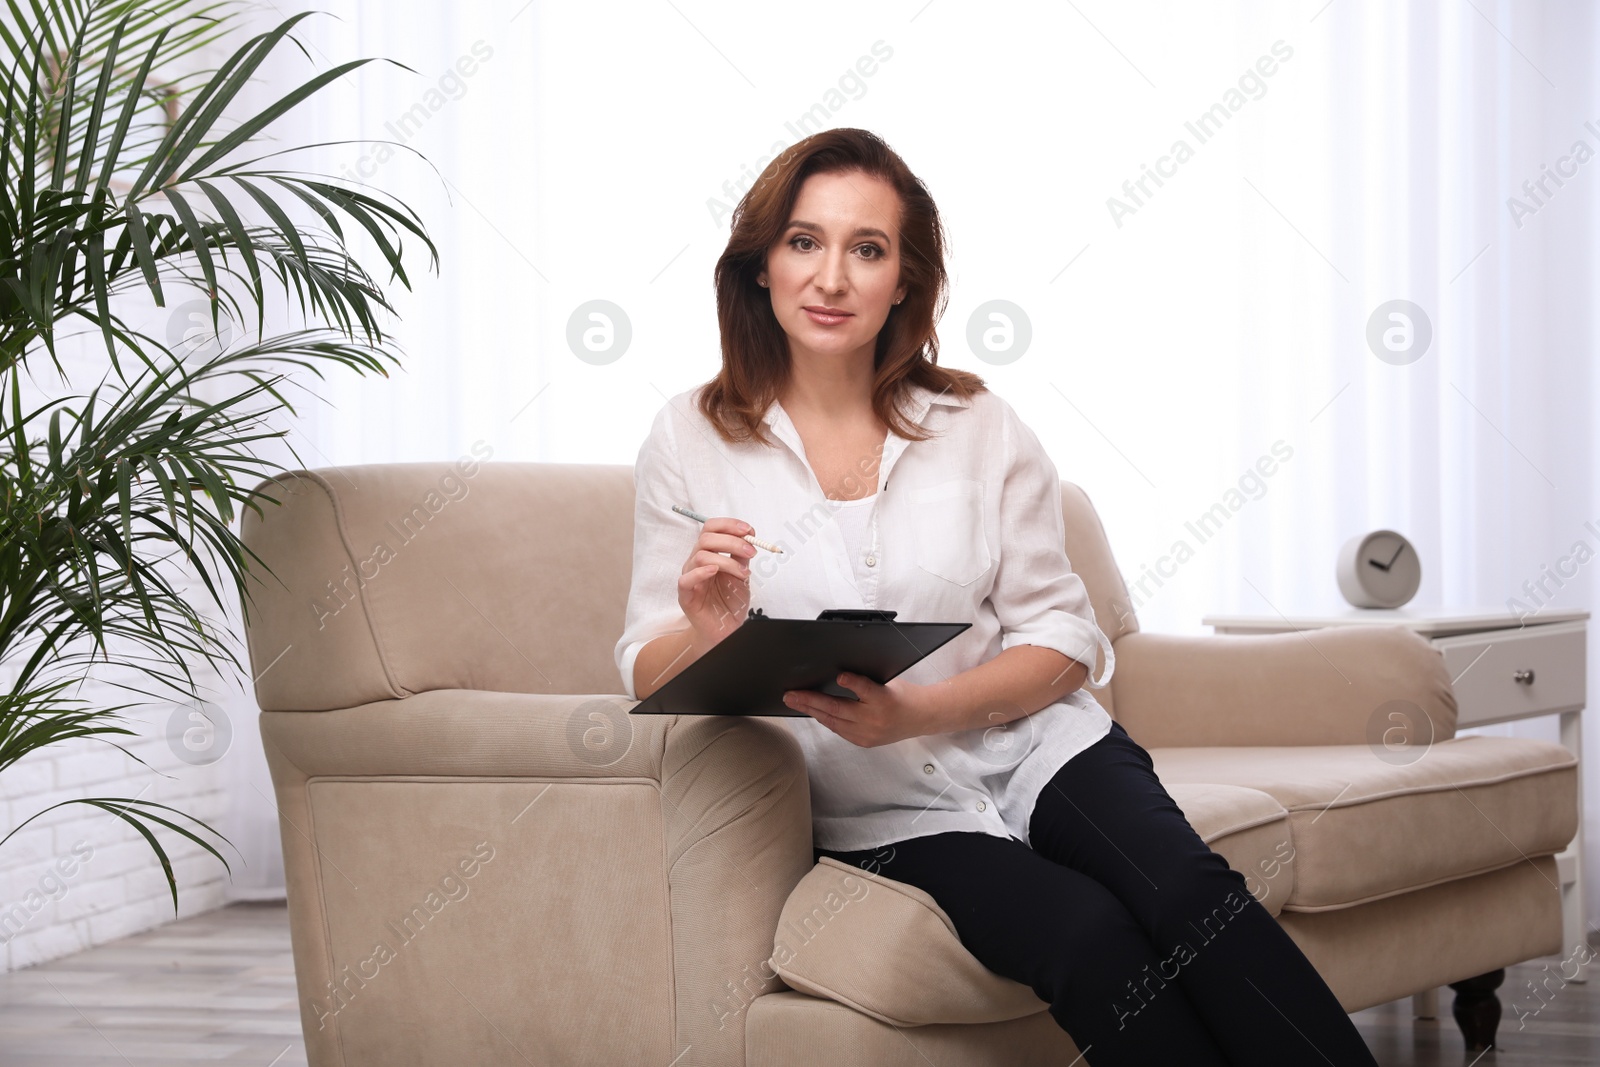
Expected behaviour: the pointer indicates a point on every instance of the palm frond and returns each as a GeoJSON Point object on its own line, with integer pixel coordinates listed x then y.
{"type": "Point", "coordinates": [126, 178]}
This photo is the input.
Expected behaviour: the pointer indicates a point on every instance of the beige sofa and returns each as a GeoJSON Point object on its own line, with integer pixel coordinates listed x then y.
{"type": "Point", "coordinates": [490, 862]}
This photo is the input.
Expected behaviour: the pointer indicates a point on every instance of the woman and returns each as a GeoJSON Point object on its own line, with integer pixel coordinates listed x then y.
{"type": "Point", "coordinates": [984, 775]}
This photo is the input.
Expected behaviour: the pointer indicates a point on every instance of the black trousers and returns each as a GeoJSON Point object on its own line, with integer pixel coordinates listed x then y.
{"type": "Point", "coordinates": [1147, 946]}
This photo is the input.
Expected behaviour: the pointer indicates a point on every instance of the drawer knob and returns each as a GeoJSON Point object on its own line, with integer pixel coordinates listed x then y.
{"type": "Point", "coordinates": [1524, 677]}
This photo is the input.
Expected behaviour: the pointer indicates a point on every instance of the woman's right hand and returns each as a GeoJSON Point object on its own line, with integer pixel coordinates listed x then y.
{"type": "Point", "coordinates": [714, 589]}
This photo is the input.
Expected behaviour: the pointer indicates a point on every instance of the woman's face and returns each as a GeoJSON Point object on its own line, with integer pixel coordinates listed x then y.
{"type": "Point", "coordinates": [834, 272]}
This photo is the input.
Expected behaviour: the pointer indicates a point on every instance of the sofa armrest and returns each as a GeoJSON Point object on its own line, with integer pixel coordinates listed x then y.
{"type": "Point", "coordinates": [641, 864]}
{"type": "Point", "coordinates": [1334, 686]}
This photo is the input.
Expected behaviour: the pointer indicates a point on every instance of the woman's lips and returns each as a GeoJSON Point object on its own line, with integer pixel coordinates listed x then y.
{"type": "Point", "coordinates": [823, 318]}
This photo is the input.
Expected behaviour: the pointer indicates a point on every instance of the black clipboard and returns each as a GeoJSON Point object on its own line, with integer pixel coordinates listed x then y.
{"type": "Point", "coordinates": [748, 672]}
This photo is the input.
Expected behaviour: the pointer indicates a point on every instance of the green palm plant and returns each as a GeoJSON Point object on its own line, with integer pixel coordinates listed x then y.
{"type": "Point", "coordinates": [121, 182]}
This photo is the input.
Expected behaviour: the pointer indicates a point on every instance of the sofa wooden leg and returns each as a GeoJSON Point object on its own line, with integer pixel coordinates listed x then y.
{"type": "Point", "coordinates": [1477, 1009]}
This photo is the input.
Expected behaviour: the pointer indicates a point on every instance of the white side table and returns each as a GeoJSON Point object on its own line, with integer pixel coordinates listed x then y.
{"type": "Point", "coordinates": [1501, 669]}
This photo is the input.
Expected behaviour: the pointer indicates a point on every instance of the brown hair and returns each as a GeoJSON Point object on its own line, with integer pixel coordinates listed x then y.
{"type": "Point", "coordinates": [755, 350]}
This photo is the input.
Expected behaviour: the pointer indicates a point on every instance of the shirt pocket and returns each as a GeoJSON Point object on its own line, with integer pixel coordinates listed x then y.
{"type": "Point", "coordinates": [947, 518]}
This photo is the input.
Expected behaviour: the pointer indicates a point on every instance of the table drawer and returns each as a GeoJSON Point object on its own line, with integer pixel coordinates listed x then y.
{"type": "Point", "coordinates": [1484, 668]}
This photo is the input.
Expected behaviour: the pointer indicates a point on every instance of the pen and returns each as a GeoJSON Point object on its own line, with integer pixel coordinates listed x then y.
{"type": "Point", "coordinates": [697, 517]}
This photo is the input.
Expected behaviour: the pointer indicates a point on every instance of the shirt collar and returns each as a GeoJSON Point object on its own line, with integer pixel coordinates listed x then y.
{"type": "Point", "coordinates": [919, 399]}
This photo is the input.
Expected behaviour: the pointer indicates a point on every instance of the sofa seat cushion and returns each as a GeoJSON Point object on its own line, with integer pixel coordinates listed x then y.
{"type": "Point", "coordinates": [1364, 827]}
{"type": "Point", "coordinates": [1246, 827]}
{"type": "Point", "coordinates": [789, 1029]}
{"type": "Point", "coordinates": [888, 950]}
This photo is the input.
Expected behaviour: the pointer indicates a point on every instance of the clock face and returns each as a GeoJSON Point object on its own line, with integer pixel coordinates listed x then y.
{"type": "Point", "coordinates": [1379, 570]}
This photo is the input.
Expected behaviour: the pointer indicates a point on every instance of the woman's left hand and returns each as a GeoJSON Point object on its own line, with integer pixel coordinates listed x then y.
{"type": "Point", "coordinates": [885, 713]}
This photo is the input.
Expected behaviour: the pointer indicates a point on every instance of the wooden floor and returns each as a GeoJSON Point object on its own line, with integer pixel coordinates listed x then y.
{"type": "Point", "coordinates": [217, 988]}
{"type": "Point", "coordinates": [220, 988]}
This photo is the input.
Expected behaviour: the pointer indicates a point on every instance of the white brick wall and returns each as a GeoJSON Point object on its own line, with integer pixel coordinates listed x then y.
{"type": "Point", "coordinates": [79, 876]}
{"type": "Point", "coordinates": [52, 903]}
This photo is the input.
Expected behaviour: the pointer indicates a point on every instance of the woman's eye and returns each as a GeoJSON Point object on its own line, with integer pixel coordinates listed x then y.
{"type": "Point", "coordinates": [804, 243]}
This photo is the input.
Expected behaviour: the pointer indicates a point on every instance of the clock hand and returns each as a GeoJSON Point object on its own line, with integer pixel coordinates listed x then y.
{"type": "Point", "coordinates": [1386, 566]}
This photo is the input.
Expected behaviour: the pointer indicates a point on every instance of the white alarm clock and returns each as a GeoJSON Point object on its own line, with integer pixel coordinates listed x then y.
{"type": "Point", "coordinates": [1380, 569]}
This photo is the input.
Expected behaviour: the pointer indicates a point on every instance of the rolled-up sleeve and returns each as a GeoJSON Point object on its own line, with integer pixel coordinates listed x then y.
{"type": "Point", "coordinates": [662, 541]}
{"type": "Point", "coordinates": [1036, 596]}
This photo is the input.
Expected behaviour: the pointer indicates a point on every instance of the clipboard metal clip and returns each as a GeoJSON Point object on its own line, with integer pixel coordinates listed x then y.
{"type": "Point", "coordinates": [857, 615]}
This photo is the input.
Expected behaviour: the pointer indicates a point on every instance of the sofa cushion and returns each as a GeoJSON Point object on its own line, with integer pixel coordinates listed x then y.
{"type": "Point", "coordinates": [888, 950]}
{"type": "Point", "coordinates": [1246, 827]}
{"type": "Point", "coordinates": [791, 1029]}
{"type": "Point", "coordinates": [1364, 827]}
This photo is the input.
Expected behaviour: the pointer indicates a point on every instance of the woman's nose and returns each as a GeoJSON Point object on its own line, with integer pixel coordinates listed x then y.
{"type": "Point", "coordinates": [831, 274]}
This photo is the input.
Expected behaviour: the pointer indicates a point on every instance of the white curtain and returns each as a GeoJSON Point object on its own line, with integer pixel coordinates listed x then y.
{"type": "Point", "coordinates": [1192, 309]}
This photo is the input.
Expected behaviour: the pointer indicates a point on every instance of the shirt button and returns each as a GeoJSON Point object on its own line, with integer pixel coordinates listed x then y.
{"type": "Point", "coordinates": [872, 561]}
{"type": "Point", "coordinates": [927, 768]}
{"type": "Point", "coordinates": [982, 806]}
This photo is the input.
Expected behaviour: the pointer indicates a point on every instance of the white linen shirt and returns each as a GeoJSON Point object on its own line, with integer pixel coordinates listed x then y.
{"type": "Point", "coordinates": [965, 527]}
